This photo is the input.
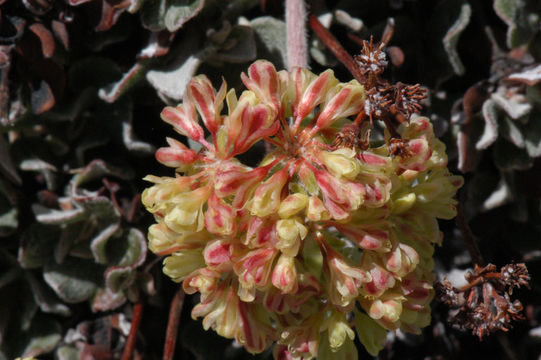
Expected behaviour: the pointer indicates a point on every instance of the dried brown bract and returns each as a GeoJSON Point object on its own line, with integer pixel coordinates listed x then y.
{"type": "Point", "coordinates": [484, 305]}
{"type": "Point", "coordinates": [372, 59]}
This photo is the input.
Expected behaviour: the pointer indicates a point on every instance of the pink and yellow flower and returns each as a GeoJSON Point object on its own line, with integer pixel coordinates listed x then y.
{"type": "Point", "coordinates": [281, 252]}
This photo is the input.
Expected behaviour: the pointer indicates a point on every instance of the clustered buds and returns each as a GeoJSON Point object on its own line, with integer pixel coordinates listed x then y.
{"type": "Point", "coordinates": [484, 305]}
{"type": "Point", "coordinates": [316, 240]}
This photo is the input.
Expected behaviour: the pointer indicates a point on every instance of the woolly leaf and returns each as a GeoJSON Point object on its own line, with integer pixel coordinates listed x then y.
{"type": "Point", "coordinates": [270, 38]}
{"type": "Point", "coordinates": [490, 132]}
{"type": "Point", "coordinates": [450, 39]}
{"type": "Point", "coordinates": [239, 46]}
{"type": "Point", "coordinates": [38, 246]}
{"type": "Point", "coordinates": [42, 337]}
{"type": "Point", "coordinates": [74, 280]}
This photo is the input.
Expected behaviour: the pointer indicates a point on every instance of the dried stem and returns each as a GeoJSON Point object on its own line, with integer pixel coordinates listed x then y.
{"type": "Point", "coordinates": [297, 48]}
{"type": "Point", "coordinates": [338, 50]}
{"type": "Point", "coordinates": [172, 325]}
{"type": "Point", "coordinates": [132, 336]}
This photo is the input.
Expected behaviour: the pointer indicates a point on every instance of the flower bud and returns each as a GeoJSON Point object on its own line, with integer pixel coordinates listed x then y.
{"type": "Point", "coordinates": [266, 199]}
{"type": "Point", "coordinates": [177, 155]}
{"type": "Point", "coordinates": [284, 275]}
{"type": "Point", "coordinates": [180, 264]}
{"type": "Point", "coordinates": [339, 330]}
{"type": "Point", "coordinates": [316, 210]}
{"type": "Point", "coordinates": [341, 162]}
{"type": "Point", "coordinates": [292, 205]}
{"type": "Point", "coordinates": [290, 234]}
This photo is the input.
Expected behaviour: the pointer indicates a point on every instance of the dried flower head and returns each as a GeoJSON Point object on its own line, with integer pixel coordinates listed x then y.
{"type": "Point", "coordinates": [285, 251]}
{"type": "Point", "coordinates": [484, 305]}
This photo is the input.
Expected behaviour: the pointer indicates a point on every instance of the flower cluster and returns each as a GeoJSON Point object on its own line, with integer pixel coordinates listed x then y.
{"type": "Point", "coordinates": [314, 241]}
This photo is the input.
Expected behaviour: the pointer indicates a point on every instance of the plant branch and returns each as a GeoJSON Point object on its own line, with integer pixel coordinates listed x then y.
{"type": "Point", "coordinates": [172, 325]}
{"type": "Point", "coordinates": [338, 50]}
{"type": "Point", "coordinates": [297, 48]}
{"type": "Point", "coordinates": [132, 336]}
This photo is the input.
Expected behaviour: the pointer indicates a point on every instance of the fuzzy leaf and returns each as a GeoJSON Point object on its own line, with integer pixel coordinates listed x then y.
{"type": "Point", "coordinates": [513, 13]}
{"type": "Point", "coordinates": [45, 297]}
{"type": "Point", "coordinates": [270, 38]}
{"type": "Point", "coordinates": [106, 300]}
{"type": "Point", "coordinates": [8, 222]}
{"type": "Point", "coordinates": [113, 91]}
{"type": "Point", "coordinates": [57, 217]}
{"type": "Point", "coordinates": [511, 131]}
{"type": "Point", "coordinates": [129, 250]}
{"type": "Point", "coordinates": [490, 132]}
{"type": "Point", "coordinates": [74, 280]}
{"type": "Point", "coordinates": [172, 82]}
{"type": "Point", "coordinates": [450, 39]}
{"type": "Point", "coordinates": [501, 195]}
{"type": "Point", "coordinates": [239, 46]}
{"type": "Point", "coordinates": [67, 353]}
{"type": "Point", "coordinates": [38, 246]}
{"type": "Point", "coordinates": [134, 144]}
{"type": "Point", "coordinates": [42, 337]}
{"type": "Point", "coordinates": [119, 278]}
{"type": "Point", "coordinates": [169, 14]}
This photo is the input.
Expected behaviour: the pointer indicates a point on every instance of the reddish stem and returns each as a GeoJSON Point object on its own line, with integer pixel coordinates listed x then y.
{"type": "Point", "coordinates": [132, 336]}
{"type": "Point", "coordinates": [297, 48]}
{"type": "Point", "coordinates": [338, 50]}
{"type": "Point", "coordinates": [172, 325]}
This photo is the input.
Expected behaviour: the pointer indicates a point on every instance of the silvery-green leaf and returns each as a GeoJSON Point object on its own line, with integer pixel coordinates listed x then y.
{"type": "Point", "coordinates": [529, 77]}
{"type": "Point", "coordinates": [181, 11]}
{"type": "Point", "coordinates": [43, 336]}
{"type": "Point", "coordinates": [45, 298]}
{"type": "Point", "coordinates": [119, 278]}
{"type": "Point", "coordinates": [113, 91]}
{"type": "Point", "coordinates": [239, 47]}
{"type": "Point", "coordinates": [38, 246]}
{"type": "Point", "coordinates": [514, 14]}
{"type": "Point", "coordinates": [172, 82]}
{"type": "Point", "coordinates": [67, 353]}
{"type": "Point", "coordinates": [511, 131]}
{"type": "Point", "coordinates": [490, 131]}
{"type": "Point", "coordinates": [450, 39]}
{"type": "Point", "coordinates": [8, 222]}
{"type": "Point", "coordinates": [131, 141]}
{"type": "Point", "coordinates": [56, 217]}
{"type": "Point", "coordinates": [129, 250]}
{"type": "Point", "coordinates": [343, 18]}
{"type": "Point", "coordinates": [270, 37]}
{"type": "Point", "coordinates": [46, 169]}
{"type": "Point", "coordinates": [169, 14]}
{"type": "Point", "coordinates": [501, 195]}
{"type": "Point", "coordinates": [106, 300]}
{"type": "Point", "coordinates": [74, 280]}
{"type": "Point", "coordinates": [516, 106]}
{"type": "Point", "coordinates": [94, 170]}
